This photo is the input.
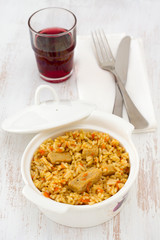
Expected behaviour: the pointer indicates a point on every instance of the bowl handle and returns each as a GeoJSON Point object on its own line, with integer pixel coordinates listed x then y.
{"type": "Point", "coordinates": [43, 202]}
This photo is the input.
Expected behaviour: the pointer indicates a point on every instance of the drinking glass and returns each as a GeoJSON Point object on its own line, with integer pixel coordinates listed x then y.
{"type": "Point", "coordinates": [53, 39]}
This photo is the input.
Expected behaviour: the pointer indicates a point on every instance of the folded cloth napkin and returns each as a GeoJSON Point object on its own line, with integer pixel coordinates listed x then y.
{"type": "Point", "coordinates": [97, 86]}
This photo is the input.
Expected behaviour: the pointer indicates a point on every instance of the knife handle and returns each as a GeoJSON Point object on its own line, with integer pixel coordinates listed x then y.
{"type": "Point", "coordinates": [135, 117]}
{"type": "Point", "coordinates": [118, 103]}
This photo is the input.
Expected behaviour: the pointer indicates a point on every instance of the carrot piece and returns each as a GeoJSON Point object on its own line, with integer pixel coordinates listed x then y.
{"type": "Point", "coordinates": [56, 189]}
{"type": "Point", "coordinates": [84, 200]}
{"type": "Point", "coordinates": [73, 144]}
{"type": "Point", "coordinates": [74, 135]}
{"type": "Point", "coordinates": [46, 194]}
{"type": "Point", "coordinates": [106, 138]}
{"type": "Point", "coordinates": [93, 135]}
{"type": "Point", "coordinates": [43, 179]}
{"type": "Point", "coordinates": [59, 150]}
{"type": "Point", "coordinates": [51, 148]}
{"type": "Point", "coordinates": [103, 146]}
{"type": "Point", "coordinates": [41, 151]}
{"type": "Point", "coordinates": [85, 174]}
{"type": "Point", "coordinates": [99, 190]}
{"type": "Point", "coordinates": [62, 166]}
{"type": "Point", "coordinates": [84, 179]}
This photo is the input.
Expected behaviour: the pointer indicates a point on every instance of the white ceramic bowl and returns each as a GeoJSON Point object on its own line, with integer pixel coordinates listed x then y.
{"type": "Point", "coordinates": [83, 216]}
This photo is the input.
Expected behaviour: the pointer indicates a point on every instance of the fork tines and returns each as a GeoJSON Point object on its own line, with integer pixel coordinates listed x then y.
{"type": "Point", "coordinates": [102, 47]}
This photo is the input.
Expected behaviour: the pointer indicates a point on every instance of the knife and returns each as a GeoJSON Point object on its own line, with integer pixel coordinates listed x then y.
{"type": "Point", "coordinates": [121, 67]}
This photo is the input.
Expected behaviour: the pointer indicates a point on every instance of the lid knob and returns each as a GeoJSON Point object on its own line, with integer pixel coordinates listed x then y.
{"type": "Point", "coordinates": [42, 87]}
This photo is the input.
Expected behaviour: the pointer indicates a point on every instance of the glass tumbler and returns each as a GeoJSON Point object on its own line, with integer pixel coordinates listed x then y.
{"type": "Point", "coordinates": [53, 39]}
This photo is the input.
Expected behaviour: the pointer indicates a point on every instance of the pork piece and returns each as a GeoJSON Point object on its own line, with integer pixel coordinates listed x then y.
{"type": "Point", "coordinates": [56, 158]}
{"type": "Point", "coordinates": [108, 169]}
{"type": "Point", "coordinates": [85, 180]}
{"type": "Point", "coordinates": [90, 152]}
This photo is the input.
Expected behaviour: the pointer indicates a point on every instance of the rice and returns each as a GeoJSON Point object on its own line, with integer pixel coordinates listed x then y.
{"type": "Point", "coordinates": [52, 179]}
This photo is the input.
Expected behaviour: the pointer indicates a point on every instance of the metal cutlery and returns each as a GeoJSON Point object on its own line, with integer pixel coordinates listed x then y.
{"type": "Point", "coordinates": [107, 62]}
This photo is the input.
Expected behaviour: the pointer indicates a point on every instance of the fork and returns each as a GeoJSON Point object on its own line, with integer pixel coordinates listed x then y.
{"type": "Point", "coordinates": [106, 61]}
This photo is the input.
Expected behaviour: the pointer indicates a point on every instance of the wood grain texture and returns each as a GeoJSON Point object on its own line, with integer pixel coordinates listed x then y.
{"type": "Point", "coordinates": [20, 219]}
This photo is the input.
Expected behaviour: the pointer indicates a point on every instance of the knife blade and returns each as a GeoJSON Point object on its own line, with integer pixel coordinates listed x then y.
{"type": "Point", "coordinates": [121, 67]}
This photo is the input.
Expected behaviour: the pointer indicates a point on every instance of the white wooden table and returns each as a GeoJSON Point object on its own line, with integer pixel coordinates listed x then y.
{"type": "Point", "coordinates": [20, 219]}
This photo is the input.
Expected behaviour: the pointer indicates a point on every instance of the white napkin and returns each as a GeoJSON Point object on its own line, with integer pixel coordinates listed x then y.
{"type": "Point", "coordinates": [98, 86]}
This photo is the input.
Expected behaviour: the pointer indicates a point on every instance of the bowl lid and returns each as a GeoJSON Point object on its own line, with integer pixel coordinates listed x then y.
{"type": "Point", "coordinates": [47, 115]}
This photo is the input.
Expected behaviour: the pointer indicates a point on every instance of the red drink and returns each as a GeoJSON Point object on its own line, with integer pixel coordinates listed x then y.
{"type": "Point", "coordinates": [54, 54]}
